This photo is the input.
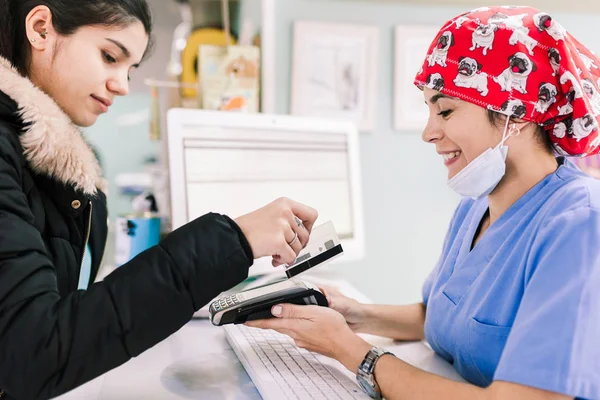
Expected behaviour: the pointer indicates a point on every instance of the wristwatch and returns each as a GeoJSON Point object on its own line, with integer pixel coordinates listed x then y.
{"type": "Point", "coordinates": [365, 376]}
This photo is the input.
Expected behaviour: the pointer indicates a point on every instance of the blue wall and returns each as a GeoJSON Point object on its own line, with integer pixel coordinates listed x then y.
{"type": "Point", "coordinates": [122, 149]}
{"type": "Point", "coordinates": [407, 204]}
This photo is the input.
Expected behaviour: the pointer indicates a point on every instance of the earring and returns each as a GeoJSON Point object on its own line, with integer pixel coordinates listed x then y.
{"type": "Point", "coordinates": [32, 40]}
{"type": "Point", "coordinates": [514, 130]}
{"type": "Point", "coordinates": [43, 34]}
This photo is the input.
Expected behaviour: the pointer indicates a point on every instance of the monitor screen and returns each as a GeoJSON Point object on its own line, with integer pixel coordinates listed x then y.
{"type": "Point", "coordinates": [235, 163]}
{"type": "Point", "coordinates": [237, 171]}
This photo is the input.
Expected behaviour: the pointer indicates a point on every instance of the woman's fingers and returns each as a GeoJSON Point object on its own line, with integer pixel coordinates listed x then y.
{"type": "Point", "coordinates": [280, 229]}
{"type": "Point", "coordinates": [295, 242]}
{"type": "Point", "coordinates": [298, 226]}
{"type": "Point", "coordinates": [306, 214]}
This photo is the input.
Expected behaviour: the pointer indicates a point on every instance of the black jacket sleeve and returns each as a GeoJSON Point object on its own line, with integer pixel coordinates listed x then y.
{"type": "Point", "coordinates": [50, 345]}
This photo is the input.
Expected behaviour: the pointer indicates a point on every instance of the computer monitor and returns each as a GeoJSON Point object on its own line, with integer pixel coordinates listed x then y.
{"type": "Point", "coordinates": [234, 163]}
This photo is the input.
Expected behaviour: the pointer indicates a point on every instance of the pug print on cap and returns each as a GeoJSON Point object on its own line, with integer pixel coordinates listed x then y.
{"type": "Point", "coordinates": [435, 82]}
{"type": "Point", "coordinates": [520, 62]}
{"type": "Point", "coordinates": [583, 127]}
{"type": "Point", "coordinates": [515, 108]}
{"type": "Point", "coordinates": [560, 130]}
{"type": "Point", "coordinates": [483, 37]}
{"type": "Point", "coordinates": [567, 108]}
{"type": "Point", "coordinates": [567, 78]}
{"type": "Point", "coordinates": [521, 36]}
{"type": "Point", "coordinates": [545, 23]}
{"type": "Point", "coordinates": [440, 52]}
{"type": "Point", "coordinates": [588, 62]}
{"type": "Point", "coordinates": [554, 57]}
{"type": "Point", "coordinates": [589, 89]}
{"type": "Point", "coordinates": [546, 97]}
{"type": "Point", "coordinates": [515, 75]}
{"type": "Point", "coordinates": [470, 75]}
{"type": "Point", "coordinates": [460, 20]}
{"type": "Point", "coordinates": [512, 22]}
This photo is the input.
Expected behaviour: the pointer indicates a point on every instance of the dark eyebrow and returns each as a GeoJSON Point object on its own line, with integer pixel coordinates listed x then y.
{"type": "Point", "coordinates": [124, 49]}
{"type": "Point", "coordinates": [438, 96]}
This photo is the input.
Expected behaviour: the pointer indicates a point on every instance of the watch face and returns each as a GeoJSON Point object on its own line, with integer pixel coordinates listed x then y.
{"type": "Point", "coordinates": [366, 386]}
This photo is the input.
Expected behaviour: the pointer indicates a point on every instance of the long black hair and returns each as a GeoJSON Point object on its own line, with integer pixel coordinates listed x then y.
{"type": "Point", "coordinates": [67, 17]}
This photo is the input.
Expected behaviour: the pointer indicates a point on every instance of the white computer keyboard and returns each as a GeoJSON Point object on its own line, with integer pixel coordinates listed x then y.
{"type": "Point", "coordinates": [280, 370]}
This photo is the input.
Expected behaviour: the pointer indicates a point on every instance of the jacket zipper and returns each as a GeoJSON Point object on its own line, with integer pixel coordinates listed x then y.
{"type": "Point", "coordinates": [86, 241]}
{"type": "Point", "coordinates": [102, 254]}
{"type": "Point", "coordinates": [87, 235]}
{"type": "Point", "coordinates": [105, 239]}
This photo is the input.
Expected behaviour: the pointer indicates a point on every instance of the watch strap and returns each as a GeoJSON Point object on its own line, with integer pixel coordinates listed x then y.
{"type": "Point", "coordinates": [367, 367]}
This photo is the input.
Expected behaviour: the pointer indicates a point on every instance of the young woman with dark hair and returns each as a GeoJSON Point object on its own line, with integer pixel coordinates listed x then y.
{"type": "Point", "coordinates": [62, 63]}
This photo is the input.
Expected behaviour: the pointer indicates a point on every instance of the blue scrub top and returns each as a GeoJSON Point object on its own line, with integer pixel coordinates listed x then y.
{"type": "Point", "coordinates": [524, 304]}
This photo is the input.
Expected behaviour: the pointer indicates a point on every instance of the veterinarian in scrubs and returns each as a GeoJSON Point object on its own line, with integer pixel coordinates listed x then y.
{"type": "Point", "coordinates": [514, 301]}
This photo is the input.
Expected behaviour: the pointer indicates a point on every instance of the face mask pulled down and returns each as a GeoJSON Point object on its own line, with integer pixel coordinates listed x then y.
{"type": "Point", "coordinates": [482, 175]}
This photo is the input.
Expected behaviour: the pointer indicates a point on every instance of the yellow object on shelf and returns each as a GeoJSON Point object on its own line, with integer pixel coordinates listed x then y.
{"type": "Point", "coordinates": [189, 57]}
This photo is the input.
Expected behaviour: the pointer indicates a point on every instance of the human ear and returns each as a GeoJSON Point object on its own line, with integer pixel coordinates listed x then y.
{"type": "Point", "coordinates": [524, 126]}
{"type": "Point", "coordinates": [38, 27]}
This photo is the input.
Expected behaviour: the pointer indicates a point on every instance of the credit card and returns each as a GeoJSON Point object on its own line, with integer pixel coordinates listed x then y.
{"type": "Point", "coordinates": [323, 245]}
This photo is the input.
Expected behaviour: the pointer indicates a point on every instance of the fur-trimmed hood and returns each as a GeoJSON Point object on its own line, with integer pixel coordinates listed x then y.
{"type": "Point", "coordinates": [52, 144]}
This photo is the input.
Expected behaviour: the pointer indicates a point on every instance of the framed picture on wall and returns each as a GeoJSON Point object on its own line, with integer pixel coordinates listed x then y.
{"type": "Point", "coordinates": [411, 45]}
{"type": "Point", "coordinates": [334, 71]}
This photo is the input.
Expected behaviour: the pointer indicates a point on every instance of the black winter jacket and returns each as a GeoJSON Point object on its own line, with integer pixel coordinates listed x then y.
{"type": "Point", "coordinates": [54, 337]}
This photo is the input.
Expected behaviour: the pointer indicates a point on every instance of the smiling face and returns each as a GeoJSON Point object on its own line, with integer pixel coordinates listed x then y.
{"type": "Point", "coordinates": [85, 71]}
{"type": "Point", "coordinates": [461, 131]}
